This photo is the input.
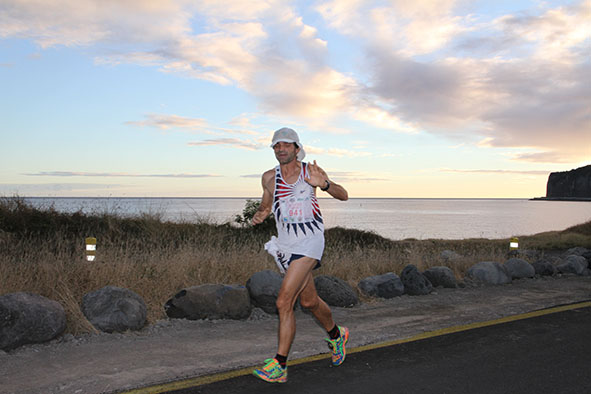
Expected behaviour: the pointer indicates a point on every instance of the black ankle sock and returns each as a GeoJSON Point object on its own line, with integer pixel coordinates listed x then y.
{"type": "Point", "coordinates": [282, 360]}
{"type": "Point", "coordinates": [334, 333]}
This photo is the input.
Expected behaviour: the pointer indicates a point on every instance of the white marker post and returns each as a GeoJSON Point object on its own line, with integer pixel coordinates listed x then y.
{"type": "Point", "coordinates": [90, 249]}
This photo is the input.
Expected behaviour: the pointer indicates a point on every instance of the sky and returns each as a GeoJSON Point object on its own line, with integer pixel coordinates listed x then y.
{"type": "Point", "coordinates": [392, 98]}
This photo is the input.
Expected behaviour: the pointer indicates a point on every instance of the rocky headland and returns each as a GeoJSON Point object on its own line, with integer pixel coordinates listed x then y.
{"type": "Point", "coordinates": [573, 185]}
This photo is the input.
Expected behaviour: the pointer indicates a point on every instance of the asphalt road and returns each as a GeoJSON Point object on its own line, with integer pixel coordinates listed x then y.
{"type": "Point", "coordinates": [545, 354]}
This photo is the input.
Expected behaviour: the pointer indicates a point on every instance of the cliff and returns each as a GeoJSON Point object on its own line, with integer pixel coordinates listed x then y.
{"type": "Point", "coordinates": [575, 184]}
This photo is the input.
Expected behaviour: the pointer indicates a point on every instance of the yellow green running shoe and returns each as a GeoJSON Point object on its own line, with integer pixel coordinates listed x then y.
{"type": "Point", "coordinates": [272, 372]}
{"type": "Point", "coordinates": [338, 346]}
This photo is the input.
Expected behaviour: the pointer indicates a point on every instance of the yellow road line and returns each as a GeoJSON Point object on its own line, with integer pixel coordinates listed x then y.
{"type": "Point", "coordinates": [203, 380]}
{"type": "Point", "coordinates": [472, 326]}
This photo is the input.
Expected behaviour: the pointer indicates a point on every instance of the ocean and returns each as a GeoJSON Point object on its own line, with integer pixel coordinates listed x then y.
{"type": "Point", "coordinates": [394, 218]}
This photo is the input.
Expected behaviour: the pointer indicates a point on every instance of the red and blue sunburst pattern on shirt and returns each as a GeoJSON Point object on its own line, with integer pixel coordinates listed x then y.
{"type": "Point", "coordinates": [299, 192]}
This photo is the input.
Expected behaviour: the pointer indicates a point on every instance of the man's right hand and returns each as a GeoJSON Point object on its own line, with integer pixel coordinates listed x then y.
{"type": "Point", "coordinates": [264, 210]}
{"type": "Point", "coordinates": [258, 218]}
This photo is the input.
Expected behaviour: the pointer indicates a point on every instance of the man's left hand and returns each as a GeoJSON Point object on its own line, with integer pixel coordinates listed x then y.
{"type": "Point", "coordinates": [316, 175]}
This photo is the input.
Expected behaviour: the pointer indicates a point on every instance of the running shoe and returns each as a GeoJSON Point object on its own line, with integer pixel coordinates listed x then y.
{"type": "Point", "coordinates": [338, 346]}
{"type": "Point", "coordinates": [272, 372]}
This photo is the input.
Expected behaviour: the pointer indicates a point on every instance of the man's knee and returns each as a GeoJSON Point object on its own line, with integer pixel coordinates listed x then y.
{"type": "Point", "coordinates": [310, 303]}
{"type": "Point", "coordinates": [284, 303]}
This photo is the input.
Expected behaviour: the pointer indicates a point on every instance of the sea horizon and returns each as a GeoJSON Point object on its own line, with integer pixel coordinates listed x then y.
{"type": "Point", "coordinates": [390, 217]}
{"type": "Point", "coordinates": [259, 197]}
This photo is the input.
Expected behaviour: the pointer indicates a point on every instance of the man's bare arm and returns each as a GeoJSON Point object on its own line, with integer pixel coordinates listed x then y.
{"type": "Point", "coordinates": [267, 201]}
{"type": "Point", "coordinates": [319, 178]}
{"type": "Point", "coordinates": [337, 191]}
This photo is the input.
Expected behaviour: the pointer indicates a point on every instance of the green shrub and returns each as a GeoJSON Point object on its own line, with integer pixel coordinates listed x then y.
{"type": "Point", "coordinates": [250, 209]}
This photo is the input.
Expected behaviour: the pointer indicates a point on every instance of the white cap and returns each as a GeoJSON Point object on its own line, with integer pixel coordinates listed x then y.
{"type": "Point", "coordinates": [286, 134]}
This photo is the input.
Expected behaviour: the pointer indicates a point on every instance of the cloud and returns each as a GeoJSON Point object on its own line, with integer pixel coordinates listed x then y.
{"type": "Point", "coordinates": [541, 105]}
{"type": "Point", "coordinates": [418, 93]}
{"type": "Point", "coordinates": [384, 118]}
{"type": "Point", "coordinates": [412, 28]}
{"type": "Point", "coordinates": [546, 157]}
{"type": "Point", "coordinates": [555, 32]}
{"type": "Point", "coordinates": [234, 142]}
{"type": "Point", "coordinates": [518, 104]}
{"type": "Point", "coordinates": [232, 10]}
{"type": "Point", "coordinates": [297, 91]}
{"type": "Point", "coordinates": [355, 177]}
{"type": "Point", "coordinates": [338, 152]}
{"type": "Point", "coordinates": [243, 121]}
{"type": "Point", "coordinates": [50, 188]}
{"type": "Point", "coordinates": [341, 176]}
{"type": "Point", "coordinates": [513, 172]}
{"type": "Point", "coordinates": [176, 122]}
{"type": "Point", "coordinates": [87, 22]}
{"type": "Point", "coordinates": [265, 48]}
{"type": "Point", "coordinates": [519, 80]}
{"type": "Point", "coordinates": [117, 174]}
{"type": "Point", "coordinates": [166, 122]}
{"type": "Point", "coordinates": [517, 98]}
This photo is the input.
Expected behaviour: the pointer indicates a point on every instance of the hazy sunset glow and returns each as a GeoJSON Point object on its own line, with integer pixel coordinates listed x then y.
{"type": "Point", "coordinates": [393, 98]}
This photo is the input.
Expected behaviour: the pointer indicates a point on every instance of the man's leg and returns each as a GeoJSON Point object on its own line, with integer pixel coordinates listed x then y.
{"type": "Point", "coordinates": [310, 300]}
{"type": "Point", "coordinates": [338, 336]}
{"type": "Point", "coordinates": [295, 281]}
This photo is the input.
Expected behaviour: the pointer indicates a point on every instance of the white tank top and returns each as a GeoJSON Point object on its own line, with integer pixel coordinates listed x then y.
{"type": "Point", "coordinates": [300, 228]}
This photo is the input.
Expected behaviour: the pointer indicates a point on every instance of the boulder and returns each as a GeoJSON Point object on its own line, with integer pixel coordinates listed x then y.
{"type": "Point", "coordinates": [335, 291]}
{"type": "Point", "coordinates": [519, 268]}
{"type": "Point", "coordinates": [573, 264]}
{"type": "Point", "coordinates": [263, 288]}
{"type": "Point", "coordinates": [544, 268]}
{"type": "Point", "coordinates": [414, 282]}
{"type": "Point", "coordinates": [553, 259]}
{"type": "Point", "coordinates": [577, 251]}
{"type": "Point", "coordinates": [489, 272]}
{"type": "Point", "coordinates": [441, 276]}
{"type": "Point", "coordinates": [210, 301]}
{"type": "Point", "coordinates": [388, 285]}
{"type": "Point", "coordinates": [449, 256]}
{"type": "Point", "coordinates": [114, 309]}
{"type": "Point", "coordinates": [587, 255]}
{"type": "Point", "coordinates": [27, 318]}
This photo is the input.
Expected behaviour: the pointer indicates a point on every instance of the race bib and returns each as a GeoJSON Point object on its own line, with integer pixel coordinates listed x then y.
{"type": "Point", "coordinates": [297, 208]}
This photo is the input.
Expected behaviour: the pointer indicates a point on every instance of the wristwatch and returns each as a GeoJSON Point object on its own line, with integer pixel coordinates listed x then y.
{"type": "Point", "coordinates": [325, 188]}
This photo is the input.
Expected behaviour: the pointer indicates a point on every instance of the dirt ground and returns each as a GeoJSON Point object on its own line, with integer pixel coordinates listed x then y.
{"type": "Point", "coordinates": [176, 349]}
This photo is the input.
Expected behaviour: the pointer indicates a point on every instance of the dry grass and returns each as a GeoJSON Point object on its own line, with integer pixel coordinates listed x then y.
{"type": "Point", "coordinates": [42, 251]}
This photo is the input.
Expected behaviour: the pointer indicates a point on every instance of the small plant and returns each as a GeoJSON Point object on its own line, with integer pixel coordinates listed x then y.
{"type": "Point", "coordinates": [250, 208]}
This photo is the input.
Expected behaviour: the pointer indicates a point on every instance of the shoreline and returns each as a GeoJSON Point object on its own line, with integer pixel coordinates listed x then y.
{"type": "Point", "coordinates": [395, 218]}
{"type": "Point", "coordinates": [579, 199]}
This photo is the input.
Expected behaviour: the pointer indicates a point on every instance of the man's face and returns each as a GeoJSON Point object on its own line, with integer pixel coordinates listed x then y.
{"type": "Point", "coordinates": [285, 152]}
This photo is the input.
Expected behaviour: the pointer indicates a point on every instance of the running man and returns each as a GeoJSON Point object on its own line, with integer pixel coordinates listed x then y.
{"type": "Point", "coordinates": [289, 190]}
